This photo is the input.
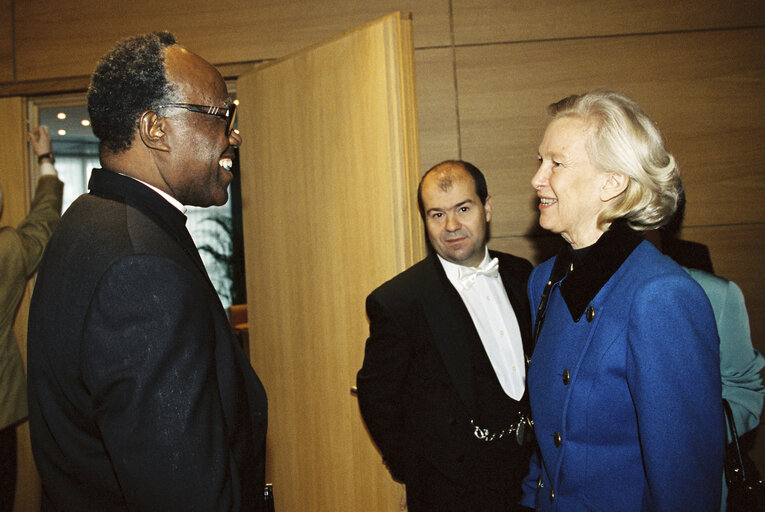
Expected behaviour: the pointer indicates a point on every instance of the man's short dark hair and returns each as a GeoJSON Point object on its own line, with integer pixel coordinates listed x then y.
{"type": "Point", "coordinates": [481, 190]}
{"type": "Point", "coordinates": [127, 81]}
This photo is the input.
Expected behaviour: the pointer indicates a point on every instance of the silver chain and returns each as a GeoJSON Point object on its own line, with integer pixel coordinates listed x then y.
{"type": "Point", "coordinates": [484, 434]}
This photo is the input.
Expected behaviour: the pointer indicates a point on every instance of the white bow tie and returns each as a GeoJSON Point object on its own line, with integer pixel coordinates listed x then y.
{"type": "Point", "coordinates": [467, 274]}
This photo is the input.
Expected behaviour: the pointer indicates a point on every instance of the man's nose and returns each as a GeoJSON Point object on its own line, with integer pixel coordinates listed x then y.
{"type": "Point", "coordinates": [452, 224]}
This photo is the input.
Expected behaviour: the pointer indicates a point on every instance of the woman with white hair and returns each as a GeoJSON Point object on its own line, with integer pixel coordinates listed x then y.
{"type": "Point", "coordinates": [624, 381]}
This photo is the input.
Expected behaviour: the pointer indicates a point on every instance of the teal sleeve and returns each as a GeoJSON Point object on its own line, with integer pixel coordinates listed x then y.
{"type": "Point", "coordinates": [740, 362]}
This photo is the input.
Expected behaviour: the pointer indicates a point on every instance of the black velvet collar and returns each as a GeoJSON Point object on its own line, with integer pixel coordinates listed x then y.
{"type": "Point", "coordinates": [108, 183]}
{"type": "Point", "coordinates": [117, 187]}
{"type": "Point", "coordinates": [602, 260]}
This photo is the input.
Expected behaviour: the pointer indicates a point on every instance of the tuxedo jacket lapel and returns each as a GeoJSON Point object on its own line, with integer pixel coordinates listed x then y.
{"type": "Point", "coordinates": [452, 327]}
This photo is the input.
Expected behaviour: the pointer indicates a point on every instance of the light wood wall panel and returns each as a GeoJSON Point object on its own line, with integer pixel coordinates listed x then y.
{"type": "Point", "coordinates": [6, 40]}
{"type": "Point", "coordinates": [736, 252]}
{"type": "Point", "coordinates": [225, 31]}
{"type": "Point", "coordinates": [328, 173]}
{"type": "Point", "coordinates": [16, 183]}
{"type": "Point", "coordinates": [536, 249]}
{"type": "Point", "coordinates": [14, 176]}
{"type": "Point", "coordinates": [703, 90]}
{"type": "Point", "coordinates": [492, 21]}
{"type": "Point", "coordinates": [436, 106]}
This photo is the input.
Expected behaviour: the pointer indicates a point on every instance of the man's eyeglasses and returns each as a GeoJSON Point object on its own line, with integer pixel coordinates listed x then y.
{"type": "Point", "coordinates": [227, 113]}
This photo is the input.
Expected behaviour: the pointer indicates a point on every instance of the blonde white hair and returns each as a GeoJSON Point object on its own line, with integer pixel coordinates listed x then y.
{"type": "Point", "coordinates": [625, 141]}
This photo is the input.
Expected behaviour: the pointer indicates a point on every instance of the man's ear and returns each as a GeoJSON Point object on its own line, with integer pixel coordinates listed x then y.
{"type": "Point", "coordinates": [613, 186]}
{"type": "Point", "coordinates": [151, 128]}
{"type": "Point", "coordinates": [487, 208]}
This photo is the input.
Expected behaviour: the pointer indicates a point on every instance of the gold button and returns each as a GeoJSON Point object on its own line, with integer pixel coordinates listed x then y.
{"type": "Point", "coordinates": [566, 377]}
{"type": "Point", "coordinates": [552, 495]}
{"type": "Point", "coordinates": [557, 439]}
{"type": "Point", "coordinates": [590, 314]}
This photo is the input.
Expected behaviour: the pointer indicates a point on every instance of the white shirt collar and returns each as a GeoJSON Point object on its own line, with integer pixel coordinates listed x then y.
{"type": "Point", "coordinates": [170, 199]}
{"type": "Point", "coordinates": [453, 269]}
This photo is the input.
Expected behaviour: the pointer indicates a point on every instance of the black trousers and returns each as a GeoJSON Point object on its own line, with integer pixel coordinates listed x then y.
{"type": "Point", "coordinates": [430, 491]}
{"type": "Point", "coordinates": [7, 468]}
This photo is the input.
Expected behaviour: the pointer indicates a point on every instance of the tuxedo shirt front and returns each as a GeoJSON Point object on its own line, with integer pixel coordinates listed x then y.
{"type": "Point", "coordinates": [486, 300]}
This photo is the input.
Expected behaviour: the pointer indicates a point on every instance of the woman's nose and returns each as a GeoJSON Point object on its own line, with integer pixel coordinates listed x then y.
{"type": "Point", "coordinates": [539, 178]}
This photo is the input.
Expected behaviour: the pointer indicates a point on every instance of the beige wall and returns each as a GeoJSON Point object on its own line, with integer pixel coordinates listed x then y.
{"type": "Point", "coordinates": [486, 69]}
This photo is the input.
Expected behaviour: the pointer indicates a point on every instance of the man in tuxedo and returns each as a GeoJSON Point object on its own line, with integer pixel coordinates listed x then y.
{"type": "Point", "coordinates": [140, 397]}
{"type": "Point", "coordinates": [442, 386]}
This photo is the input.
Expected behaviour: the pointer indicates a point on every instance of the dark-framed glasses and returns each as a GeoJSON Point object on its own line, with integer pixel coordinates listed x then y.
{"type": "Point", "coordinates": [227, 113]}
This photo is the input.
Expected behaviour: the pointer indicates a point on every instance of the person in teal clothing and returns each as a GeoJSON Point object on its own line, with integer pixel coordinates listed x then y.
{"type": "Point", "coordinates": [740, 362]}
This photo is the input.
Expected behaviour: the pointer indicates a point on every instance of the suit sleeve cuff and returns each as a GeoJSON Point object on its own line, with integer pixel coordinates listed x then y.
{"type": "Point", "coordinates": [47, 169]}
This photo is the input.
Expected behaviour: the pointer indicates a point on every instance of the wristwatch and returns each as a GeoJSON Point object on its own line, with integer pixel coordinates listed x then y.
{"type": "Point", "coordinates": [49, 154]}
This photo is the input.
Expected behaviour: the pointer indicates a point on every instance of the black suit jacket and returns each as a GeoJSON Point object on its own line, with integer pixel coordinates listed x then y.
{"type": "Point", "coordinates": [140, 397]}
{"type": "Point", "coordinates": [416, 387]}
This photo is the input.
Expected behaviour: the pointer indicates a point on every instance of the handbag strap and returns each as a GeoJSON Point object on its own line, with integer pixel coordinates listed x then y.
{"type": "Point", "coordinates": [556, 273]}
{"type": "Point", "coordinates": [541, 311]}
{"type": "Point", "coordinates": [739, 461]}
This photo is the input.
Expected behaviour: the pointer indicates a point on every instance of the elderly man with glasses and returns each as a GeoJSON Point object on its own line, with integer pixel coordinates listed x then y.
{"type": "Point", "coordinates": [140, 395]}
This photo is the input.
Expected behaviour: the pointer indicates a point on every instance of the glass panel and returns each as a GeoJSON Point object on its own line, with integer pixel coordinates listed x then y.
{"type": "Point", "coordinates": [74, 146]}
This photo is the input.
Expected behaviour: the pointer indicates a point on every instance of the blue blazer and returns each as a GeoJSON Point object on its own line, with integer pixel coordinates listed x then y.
{"type": "Point", "coordinates": [625, 395]}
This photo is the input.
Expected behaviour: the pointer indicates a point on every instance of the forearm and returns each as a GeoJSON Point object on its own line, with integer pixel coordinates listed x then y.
{"type": "Point", "coordinates": [36, 229]}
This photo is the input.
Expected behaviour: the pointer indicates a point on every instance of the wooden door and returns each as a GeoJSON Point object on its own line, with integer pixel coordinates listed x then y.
{"type": "Point", "coordinates": [329, 175]}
